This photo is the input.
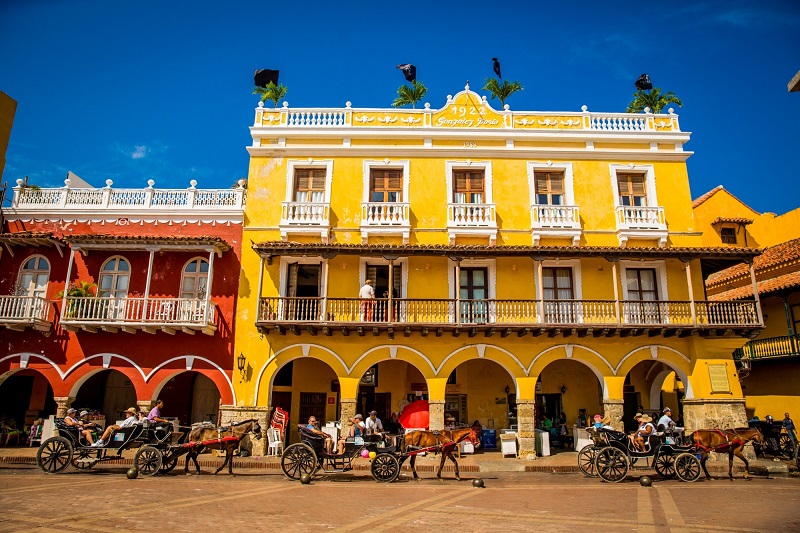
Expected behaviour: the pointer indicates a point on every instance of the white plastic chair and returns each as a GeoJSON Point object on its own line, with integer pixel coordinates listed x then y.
{"type": "Point", "coordinates": [275, 443]}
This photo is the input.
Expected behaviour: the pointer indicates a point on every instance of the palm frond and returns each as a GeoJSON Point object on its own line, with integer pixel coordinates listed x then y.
{"type": "Point", "coordinates": [503, 90]}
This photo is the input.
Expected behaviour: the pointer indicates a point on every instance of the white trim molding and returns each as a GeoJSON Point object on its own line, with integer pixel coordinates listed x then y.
{"type": "Point", "coordinates": [646, 222]}
{"type": "Point", "coordinates": [385, 218]}
{"type": "Point", "coordinates": [559, 221]}
{"type": "Point", "coordinates": [475, 220]}
{"type": "Point", "coordinates": [402, 262]}
{"type": "Point", "coordinates": [306, 217]}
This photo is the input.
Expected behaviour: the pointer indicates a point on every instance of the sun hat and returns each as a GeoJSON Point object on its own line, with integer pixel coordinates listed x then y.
{"type": "Point", "coordinates": [130, 410]}
{"type": "Point", "coordinates": [646, 419]}
{"type": "Point", "coordinates": [84, 413]}
{"type": "Point", "coordinates": [71, 410]}
{"type": "Point", "coordinates": [637, 415]}
{"type": "Point", "coordinates": [359, 417]}
{"type": "Point", "coordinates": [598, 417]}
{"type": "Point", "coordinates": [667, 410]}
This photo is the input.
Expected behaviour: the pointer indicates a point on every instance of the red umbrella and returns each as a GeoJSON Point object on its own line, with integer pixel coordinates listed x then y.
{"type": "Point", "coordinates": [416, 415]}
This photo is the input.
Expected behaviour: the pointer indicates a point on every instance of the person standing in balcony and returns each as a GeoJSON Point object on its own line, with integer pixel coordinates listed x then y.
{"type": "Point", "coordinates": [367, 294]}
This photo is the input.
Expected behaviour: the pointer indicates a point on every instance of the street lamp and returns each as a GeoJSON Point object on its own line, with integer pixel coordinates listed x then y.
{"type": "Point", "coordinates": [240, 362]}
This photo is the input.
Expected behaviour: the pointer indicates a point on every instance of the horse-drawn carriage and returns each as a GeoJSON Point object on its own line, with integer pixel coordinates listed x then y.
{"type": "Point", "coordinates": [309, 456]}
{"type": "Point", "coordinates": [776, 442]}
{"type": "Point", "coordinates": [612, 454]}
{"type": "Point", "coordinates": [157, 448]}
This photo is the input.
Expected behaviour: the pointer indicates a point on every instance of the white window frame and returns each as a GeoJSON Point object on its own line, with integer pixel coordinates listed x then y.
{"type": "Point", "coordinates": [294, 164]}
{"type": "Point", "coordinates": [661, 274]}
{"type": "Point", "coordinates": [385, 164]}
{"type": "Point", "coordinates": [649, 182]}
{"type": "Point", "coordinates": [362, 272]}
{"type": "Point", "coordinates": [566, 168]}
{"type": "Point", "coordinates": [195, 275]}
{"type": "Point", "coordinates": [491, 266]}
{"type": "Point", "coordinates": [313, 260]}
{"type": "Point", "coordinates": [30, 291]}
{"type": "Point", "coordinates": [115, 273]}
{"type": "Point", "coordinates": [468, 164]}
{"type": "Point", "coordinates": [575, 265]}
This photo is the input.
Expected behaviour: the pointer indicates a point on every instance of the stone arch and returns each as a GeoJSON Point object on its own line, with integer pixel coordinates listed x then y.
{"type": "Point", "coordinates": [290, 353]}
{"type": "Point", "coordinates": [655, 389]}
{"type": "Point", "coordinates": [671, 357]}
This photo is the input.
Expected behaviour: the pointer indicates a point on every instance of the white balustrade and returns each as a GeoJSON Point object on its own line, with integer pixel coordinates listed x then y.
{"type": "Point", "coordinates": [555, 216]}
{"type": "Point", "coordinates": [617, 122]}
{"type": "Point", "coordinates": [385, 214]}
{"type": "Point", "coordinates": [471, 215]}
{"type": "Point", "coordinates": [639, 217]}
{"type": "Point", "coordinates": [315, 118]}
{"type": "Point", "coordinates": [24, 309]}
{"type": "Point", "coordinates": [305, 213]}
{"type": "Point", "coordinates": [138, 311]}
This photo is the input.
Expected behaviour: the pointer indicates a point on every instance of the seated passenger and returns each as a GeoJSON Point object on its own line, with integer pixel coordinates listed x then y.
{"type": "Point", "coordinates": [645, 430]}
{"type": "Point", "coordinates": [131, 419]}
{"type": "Point", "coordinates": [313, 427]}
{"type": "Point", "coordinates": [155, 415]}
{"type": "Point", "coordinates": [355, 429]}
{"type": "Point", "coordinates": [73, 421]}
{"type": "Point", "coordinates": [373, 424]}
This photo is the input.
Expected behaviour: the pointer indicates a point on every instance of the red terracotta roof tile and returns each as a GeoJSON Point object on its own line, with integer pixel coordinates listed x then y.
{"type": "Point", "coordinates": [733, 220]}
{"type": "Point", "coordinates": [765, 287]}
{"type": "Point", "coordinates": [772, 256]}
{"type": "Point", "coordinates": [700, 199]}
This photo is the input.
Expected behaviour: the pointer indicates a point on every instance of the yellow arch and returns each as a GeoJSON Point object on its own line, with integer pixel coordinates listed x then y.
{"type": "Point", "coordinates": [589, 357]}
{"type": "Point", "coordinates": [671, 357]}
{"type": "Point", "coordinates": [389, 352]}
{"type": "Point", "coordinates": [290, 353]}
{"type": "Point", "coordinates": [490, 352]}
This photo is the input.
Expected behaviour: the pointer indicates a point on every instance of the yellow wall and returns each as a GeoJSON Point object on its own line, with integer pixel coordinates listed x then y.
{"type": "Point", "coordinates": [8, 107]}
{"type": "Point", "coordinates": [772, 389]}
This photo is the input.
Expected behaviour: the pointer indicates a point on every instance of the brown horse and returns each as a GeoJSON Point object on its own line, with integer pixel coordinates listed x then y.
{"type": "Point", "coordinates": [731, 441]}
{"type": "Point", "coordinates": [200, 434]}
{"type": "Point", "coordinates": [445, 439]}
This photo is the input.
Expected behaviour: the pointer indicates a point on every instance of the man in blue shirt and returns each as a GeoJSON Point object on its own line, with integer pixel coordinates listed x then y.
{"type": "Point", "coordinates": [788, 425]}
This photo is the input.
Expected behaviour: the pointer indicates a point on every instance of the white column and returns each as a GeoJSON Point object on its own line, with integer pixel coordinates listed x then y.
{"type": "Point", "coordinates": [691, 292]}
{"type": "Point", "coordinates": [390, 309]}
{"type": "Point", "coordinates": [537, 268]}
{"type": "Point", "coordinates": [145, 314]}
{"type": "Point", "coordinates": [260, 286]}
{"type": "Point", "coordinates": [616, 290]}
{"type": "Point", "coordinates": [458, 290]}
{"type": "Point", "coordinates": [755, 293]}
{"type": "Point", "coordinates": [208, 284]}
{"type": "Point", "coordinates": [66, 283]}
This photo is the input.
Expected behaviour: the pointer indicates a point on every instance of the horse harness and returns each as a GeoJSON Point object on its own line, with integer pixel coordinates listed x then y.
{"type": "Point", "coordinates": [723, 448]}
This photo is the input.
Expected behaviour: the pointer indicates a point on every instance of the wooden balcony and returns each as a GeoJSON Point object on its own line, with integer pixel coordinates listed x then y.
{"type": "Point", "coordinates": [150, 315]}
{"type": "Point", "coordinates": [20, 312]}
{"type": "Point", "coordinates": [771, 347]}
{"type": "Point", "coordinates": [552, 317]}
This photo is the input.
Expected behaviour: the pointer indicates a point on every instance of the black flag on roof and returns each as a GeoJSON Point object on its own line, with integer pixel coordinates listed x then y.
{"type": "Point", "coordinates": [409, 71]}
{"type": "Point", "coordinates": [643, 83]}
{"type": "Point", "coordinates": [496, 67]}
{"type": "Point", "coordinates": [262, 77]}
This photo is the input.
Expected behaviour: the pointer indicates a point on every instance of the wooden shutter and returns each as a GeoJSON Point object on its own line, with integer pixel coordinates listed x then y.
{"type": "Point", "coordinates": [465, 181]}
{"type": "Point", "coordinates": [308, 180]}
{"type": "Point", "coordinates": [387, 181]}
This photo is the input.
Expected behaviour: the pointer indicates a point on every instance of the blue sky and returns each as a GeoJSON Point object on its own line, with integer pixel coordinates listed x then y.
{"type": "Point", "coordinates": [152, 89]}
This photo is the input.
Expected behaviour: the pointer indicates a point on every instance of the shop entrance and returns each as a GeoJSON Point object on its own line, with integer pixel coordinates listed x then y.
{"type": "Point", "coordinates": [108, 392]}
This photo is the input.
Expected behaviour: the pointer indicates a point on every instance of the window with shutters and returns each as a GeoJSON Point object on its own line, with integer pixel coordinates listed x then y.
{"type": "Point", "coordinates": [309, 184]}
{"type": "Point", "coordinates": [386, 185]}
{"type": "Point", "coordinates": [468, 186]}
{"type": "Point", "coordinates": [728, 235]}
{"type": "Point", "coordinates": [631, 189]}
{"type": "Point", "coordinates": [549, 188]}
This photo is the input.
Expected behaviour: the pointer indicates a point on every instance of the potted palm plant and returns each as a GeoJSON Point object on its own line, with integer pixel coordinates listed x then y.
{"type": "Point", "coordinates": [77, 289]}
{"type": "Point", "coordinates": [653, 99]}
{"type": "Point", "coordinates": [410, 95]}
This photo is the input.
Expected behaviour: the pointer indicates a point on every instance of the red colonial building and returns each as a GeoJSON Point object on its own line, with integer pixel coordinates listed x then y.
{"type": "Point", "coordinates": [115, 297]}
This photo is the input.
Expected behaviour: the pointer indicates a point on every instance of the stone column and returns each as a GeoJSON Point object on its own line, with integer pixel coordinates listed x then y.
{"type": "Point", "coordinates": [62, 404]}
{"type": "Point", "coordinates": [614, 409]}
{"type": "Point", "coordinates": [347, 410]}
{"type": "Point", "coordinates": [144, 405]}
{"type": "Point", "coordinates": [436, 410]}
{"type": "Point", "coordinates": [721, 413]}
{"type": "Point", "coordinates": [526, 423]}
{"type": "Point", "coordinates": [232, 413]}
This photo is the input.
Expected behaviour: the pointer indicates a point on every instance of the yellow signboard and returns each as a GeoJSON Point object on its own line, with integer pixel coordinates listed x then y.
{"type": "Point", "coordinates": [718, 375]}
{"type": "Point", "coordinates": [467, 110]}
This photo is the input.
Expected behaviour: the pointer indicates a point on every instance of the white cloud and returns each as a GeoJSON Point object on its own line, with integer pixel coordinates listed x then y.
{"type": "Point", "coordinates": [139, 153]}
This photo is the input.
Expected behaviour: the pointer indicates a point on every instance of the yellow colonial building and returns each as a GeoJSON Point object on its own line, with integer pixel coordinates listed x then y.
{"type": "Point", "coordinates": [769, 372]}
{"type": "Point", "coordinates": [523, 264]}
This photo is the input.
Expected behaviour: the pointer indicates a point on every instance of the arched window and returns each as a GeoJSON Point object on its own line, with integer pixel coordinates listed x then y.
{"type": "Point", "coordinates": [33, 277]}
{"type": "Point", "coordinates": [114, 278]}
{"type": "Point", "coordinates": [195, 279]}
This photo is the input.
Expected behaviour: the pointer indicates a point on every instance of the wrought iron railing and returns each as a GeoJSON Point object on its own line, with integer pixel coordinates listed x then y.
{"type": "Point", "coordinates": [420, 311]}
{"type": "Point", "coordinates": [785, 346]}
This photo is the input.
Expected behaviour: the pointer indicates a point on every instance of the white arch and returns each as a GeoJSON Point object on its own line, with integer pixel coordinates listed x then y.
{"type": "Point", "coordinates": [24, 356]}
{"type": "Point", "coordinates": [390, 347]}
{"type": "Point", "coordinates": [106, 363]}
{"type": "Point", "coordinates": [483, 347]}
{"type": "Point", "coordinates": [193, 358]}
{"type": "Point", "coordinates": [655, 389]}
{"type": "Point", "coordinates": [305, 348]}
{"type": "Point", "coordinates": [689, 394]}
{"type": "Point", "coordinates": [591, 367]}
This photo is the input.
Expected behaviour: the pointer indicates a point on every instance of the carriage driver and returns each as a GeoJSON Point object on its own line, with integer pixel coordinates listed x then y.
{"type": "Point", "coordinates": [666, 420]}
{"type": "Point", "coordinates": [313, 427]}
{"type": "Point", "coordinates": [131, 419]}
{"type": "Point", "coordinates": [373, 424]}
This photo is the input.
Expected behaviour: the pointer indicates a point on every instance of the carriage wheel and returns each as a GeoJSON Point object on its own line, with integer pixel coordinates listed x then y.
{"type": "Point", "coordinates": [611, 464]}
{"type": "Point", "coordinates": [82, 459]}
{"type": "Point", "coordinates": [298, 459]}
{"type": "Point", "coordinates": [54, 455]}
{"type": "Point", "coordinates": [786, 445]}
{"type": "Point", "coordinates": [586, 460]}
{"type": "Point", "coordinates": [168, 464]}
{"type": "Point", "coordinates": [687, 467]}
{"type": "Point", "coordinates": [665, 466]}
{"type": "Point", "coordinates": [385, 468]}
{"type": "Point", "coordinates": [148, 460]}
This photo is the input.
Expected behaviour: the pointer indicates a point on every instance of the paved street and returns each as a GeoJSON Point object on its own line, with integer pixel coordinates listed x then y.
{"type": "Point", "coordinates": [512, 501]}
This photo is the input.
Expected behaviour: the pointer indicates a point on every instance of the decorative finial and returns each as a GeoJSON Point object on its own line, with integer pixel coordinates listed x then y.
{"type": "Point", "coordinates": [192, 184]}
{"type": "Point", "coordinates": [67, 183]}
{"type": "Point", "coordinates": [466, 87]}
{"type": "Point", "coordinates": [483, 98]}
{"type": "Point", "coordinates": [647, 110]}
{"type": "Point", "coordinates": [348, 104]}
{"type": "Point", "coordinates": [20, 182]}
{"type": "Point", "coordinates": [241, 183]}
{"type": "Point", "coordinates": [285, 104]}
{"type": "Point", "coordinates": [671, 110]}
{"type": "Point", "coordinates": [584, 108]}
{"type": "Point", "coordinates": [506, 107]}
{"type": "Point", "coordinates": [428, 105]}
{"type": "Point", "coordinates": [260, 103]}
{"type": "Point", "coordinates": [150, 184]}
{"type": "Point", "coordinates": [109, 183]}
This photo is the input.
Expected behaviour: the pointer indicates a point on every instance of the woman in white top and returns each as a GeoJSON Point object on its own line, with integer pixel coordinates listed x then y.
{"type": "Point", "coordinates": [646, 428]}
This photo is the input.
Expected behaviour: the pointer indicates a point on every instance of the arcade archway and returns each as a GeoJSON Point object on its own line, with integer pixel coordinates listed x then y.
{"type": "Point", "coordinates": [25, 396]}
{"type": "Point", "coordinates": [191, 397]}
{"type": "Point", "coordinates": [480, 390]}
{"type": "Point", "coordinates": [108, 392]}
{"type": "Point", "coordinates": [651, 386]}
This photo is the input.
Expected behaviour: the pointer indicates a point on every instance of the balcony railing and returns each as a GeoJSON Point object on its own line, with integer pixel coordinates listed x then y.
{"type": "Point", "coordinates": [414, 311]}
{"type": "Point", "coordinates": [555, 216]}
{"type": "Point", "coordinates": [383, 214]}
{"type": "Point", "coordinates": [146, 199]}
{"type": "Point", "coordinates": [637, 217]}
{"type": "Point", "coordinates": [168, 314]}
{"type": "Point", "coordinates": [19, 312]}
{"type": "Point", "coordinates": [786, 346]}
{"type": "Point", "coordinates": [305, 214]}
{"type": "Point", "coordinates": [471, 215]}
